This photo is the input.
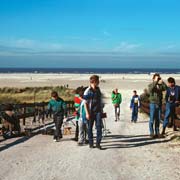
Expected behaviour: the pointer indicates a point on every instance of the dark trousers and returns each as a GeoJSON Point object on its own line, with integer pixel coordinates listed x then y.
{"type": "Point", "coordinates": [97, 118]}
{"type": "Point", "coordinates": [58, 120]}
{"type": "Point", "coordinates": [170, 113]}
{"type": "Point", "coordinates": [134, 113]}
{"type": "Point", "coordinates": [77, 130]}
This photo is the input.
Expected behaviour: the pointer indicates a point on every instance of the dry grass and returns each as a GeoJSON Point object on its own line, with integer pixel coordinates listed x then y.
{"type": "Point", "coordinates": [33, 94]}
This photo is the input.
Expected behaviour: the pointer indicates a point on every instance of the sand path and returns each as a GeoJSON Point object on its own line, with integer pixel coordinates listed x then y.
{"type": "Point", "coordinates": [128, 153]}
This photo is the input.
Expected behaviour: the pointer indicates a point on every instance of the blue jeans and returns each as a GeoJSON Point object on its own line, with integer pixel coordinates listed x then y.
{"type": "Point", "coordinates": [97, 118]}
{"type": "Point", "coordinates": [170, 112]}
{"type": "Point", "coordinates": [134, 113]}
{"type": "Point", "coordinates": [155, 111]}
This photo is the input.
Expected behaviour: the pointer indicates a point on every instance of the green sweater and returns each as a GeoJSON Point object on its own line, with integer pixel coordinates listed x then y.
{"type": "Point", "coordinates": [116, 98]}
{"type": "Point", "coordinates": [57, 106]}
{"type": "Point", "coordinates": [155, 92]}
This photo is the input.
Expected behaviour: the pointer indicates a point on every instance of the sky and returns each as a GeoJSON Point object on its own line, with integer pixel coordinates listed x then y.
{"type": "Point", "coordinates": [90, 33]}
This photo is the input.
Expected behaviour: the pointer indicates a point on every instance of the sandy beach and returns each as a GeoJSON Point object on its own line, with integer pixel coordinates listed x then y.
{"type": "Point", "coordinates": [128, 152]}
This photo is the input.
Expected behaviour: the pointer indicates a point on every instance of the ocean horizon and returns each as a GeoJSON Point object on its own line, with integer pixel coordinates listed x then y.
{"type": "Point", "coordinates": [92, 70]}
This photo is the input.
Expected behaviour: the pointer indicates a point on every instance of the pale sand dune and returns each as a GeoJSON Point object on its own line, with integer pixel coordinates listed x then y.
{"type": "Point", "coordinates": [128, 151]}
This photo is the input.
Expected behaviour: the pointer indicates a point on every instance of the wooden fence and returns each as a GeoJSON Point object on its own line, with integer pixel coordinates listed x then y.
{"type": "Point", "coordinates": [30, 113]}
{"type": "Point", "coordinates": [176, 123]}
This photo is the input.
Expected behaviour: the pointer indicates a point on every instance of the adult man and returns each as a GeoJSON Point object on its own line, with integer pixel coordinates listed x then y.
{"type": "Point", "coordinates": [93, 108]}
{"type": "Point", "coordinates": [155, 90]}
{"type": "Point", "coordinates": [172, 100]}
{"type": "Point", "coordinates": [116, 100]}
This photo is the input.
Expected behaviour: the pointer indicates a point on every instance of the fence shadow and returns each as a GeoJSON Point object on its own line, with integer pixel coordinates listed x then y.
{"type": "Point", "coordinates": [5, 145]}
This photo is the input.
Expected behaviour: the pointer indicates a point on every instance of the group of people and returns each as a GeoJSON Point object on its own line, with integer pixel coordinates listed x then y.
{"type": "Point", "coordinates": [89, 109]}
{"type": "Point", "coordinates": [134, 104]}
{"type": "Point", "coordinates": [172, 100]}
{"type": "Point", "coordinates": [155, 93]}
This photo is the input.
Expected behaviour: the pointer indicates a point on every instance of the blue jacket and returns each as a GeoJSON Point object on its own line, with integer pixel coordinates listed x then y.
{"type": "Point", "coordinates": [135, 101]}
{"type": "Point", "coordinates": [173, 94]}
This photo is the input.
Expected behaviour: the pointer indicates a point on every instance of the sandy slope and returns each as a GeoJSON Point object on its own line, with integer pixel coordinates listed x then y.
{"type": "Point", "coordinates": [128, 152]}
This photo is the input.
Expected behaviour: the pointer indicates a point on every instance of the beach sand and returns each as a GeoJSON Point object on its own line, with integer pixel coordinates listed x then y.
{"type": "Point", "coordinates": [128, 152]}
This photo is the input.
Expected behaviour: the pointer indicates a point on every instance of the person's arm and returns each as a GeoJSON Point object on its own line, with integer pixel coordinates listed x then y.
{"type": "Point", "coordinates": [64, 106]}
{"type": "Point", "coordinates": [120, 98]}
{"type": "Point", "coordinates": [132, 102]}
{"type": "Point", "coordinates": [152, 86]}
{"type": "Point", "coordinates": [86, 97]}
{"type": "Point", "coordinates": [139, 102]}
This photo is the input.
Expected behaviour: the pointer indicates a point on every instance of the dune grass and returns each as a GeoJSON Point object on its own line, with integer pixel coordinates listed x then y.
{"type": "Point", "coordinates": [33, 94]}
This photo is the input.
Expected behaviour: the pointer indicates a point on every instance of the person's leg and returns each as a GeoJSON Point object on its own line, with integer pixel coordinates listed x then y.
{"type": "Point", "coordinates": [98, 128]}
{"type": "Point", "coordinates": [90, 129]}
{"type": "Point", "coordinates": [59, 125]}
{"type": "Point", "coordinates": [135, 113]}
{"type": "Point", "coordinates": [116, 116]}
{"type": "Point", "coordinates": [55, 122]}
{"type": "Point", "coordinates": [157, 120]}
{"type": "Point", "coordinates": [151, 120]}
{"type": "Point", "coordinates": [118, 112]}
{"type": "Point", "coordinates": [166, 117]}
{"type": "Point", "coordinates": [132, 116]}
{"type": "Point", "coordinates": [77, 130]}
{"type": "Point", "coordinates": [81, 138]}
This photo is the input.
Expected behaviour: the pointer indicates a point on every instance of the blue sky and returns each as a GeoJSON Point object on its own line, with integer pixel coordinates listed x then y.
{"type": "Point", "coordinates": [90, 33]}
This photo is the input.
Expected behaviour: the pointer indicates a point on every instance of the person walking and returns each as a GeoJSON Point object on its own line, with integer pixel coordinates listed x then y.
{"type": "Point", "coordinates": [116, 101]}
{"type": "Point", "coordinates": [59, 110]}
{"type": "Point", "coordinates": [134, 106]}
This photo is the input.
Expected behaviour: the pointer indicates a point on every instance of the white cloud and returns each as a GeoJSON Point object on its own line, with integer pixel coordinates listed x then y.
{"type": "Point", "coordinates": [106, 33]}
{"type": "Point", "coordinates": [32, 44]}
{"type": "Point", "coordinates": [126, 47]}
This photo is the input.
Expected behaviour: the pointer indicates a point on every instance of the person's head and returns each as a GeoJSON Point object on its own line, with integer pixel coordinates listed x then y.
{"type": "Point", "coordinates": [81, 91]}
{"type": "Point", "coordinates": [94, 81]}
{"type": "Point", "coordinates": [134, 92]}
{"type": "Point", "coordinates": [171, 82]}
{"type": "Point", "coordinates": [9, 109]}
{"type": "Point", "coordinates": [54, 95]}
{"type": "Point", "coordinates": [116, 91]}
{"type": "Point", "coordinates": [156, 77]}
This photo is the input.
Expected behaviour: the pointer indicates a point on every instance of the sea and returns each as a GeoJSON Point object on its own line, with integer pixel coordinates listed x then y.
{"type": "Point", "coordinates": [92, 70]}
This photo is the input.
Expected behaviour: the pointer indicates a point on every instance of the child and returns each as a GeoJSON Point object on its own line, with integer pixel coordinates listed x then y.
{"type": "Point", "coordinates": [58, 107]}
{"type": "Point", "coordinates": [82, 120]}
{"type": "Point", "coordinates": [77, 102]}
{"type": "Point", "coordinates": [93, 108]}
{"type": "Point", "coordinates": [135, 104]}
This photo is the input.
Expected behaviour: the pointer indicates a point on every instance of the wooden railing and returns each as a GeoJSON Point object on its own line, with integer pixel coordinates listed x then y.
{"type": "Point", "coordinates": [176, 123]}
{"type": "Point", "coordinates": [31, 112]}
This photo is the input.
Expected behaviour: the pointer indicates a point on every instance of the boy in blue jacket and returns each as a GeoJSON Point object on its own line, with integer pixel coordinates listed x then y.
{"type": "Point", "coordinates": [172, 100]}
{"type": "Point", "coordinates": [135, 104]}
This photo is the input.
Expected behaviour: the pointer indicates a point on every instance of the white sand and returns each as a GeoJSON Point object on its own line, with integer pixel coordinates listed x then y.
{"type": "Point", "coordinates": [128, 152]}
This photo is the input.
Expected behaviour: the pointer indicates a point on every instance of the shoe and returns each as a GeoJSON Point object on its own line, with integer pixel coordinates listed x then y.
{"type": "Point", "coordinates": [58, 139]}
{"type": "Point", "coordinates": [152, 136]}
{"type": "Point", "coordinates": [98, 146]}
{"type": "Point", "coordinates": [75, 139]}
{"type": "Point", "coordinates": [80, 144]}
{"type": "Point", "coordinates": [91, 146]}
{"type": "Point", "coordinates": [86, 141]}
{"type": "Point", "coordinates": [115, 120]}
{"type": "Point", "coordinates": [163, 131]}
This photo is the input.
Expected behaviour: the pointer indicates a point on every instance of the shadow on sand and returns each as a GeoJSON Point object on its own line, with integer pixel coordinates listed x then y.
{"type": "Point", "coordinates": [130, 141]}
{"type": "Point", "coordinates": [5, 144]}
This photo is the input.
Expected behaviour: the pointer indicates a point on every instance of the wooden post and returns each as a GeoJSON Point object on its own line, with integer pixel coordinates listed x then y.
{"type": "Point", "coordinates": [24, 114]}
